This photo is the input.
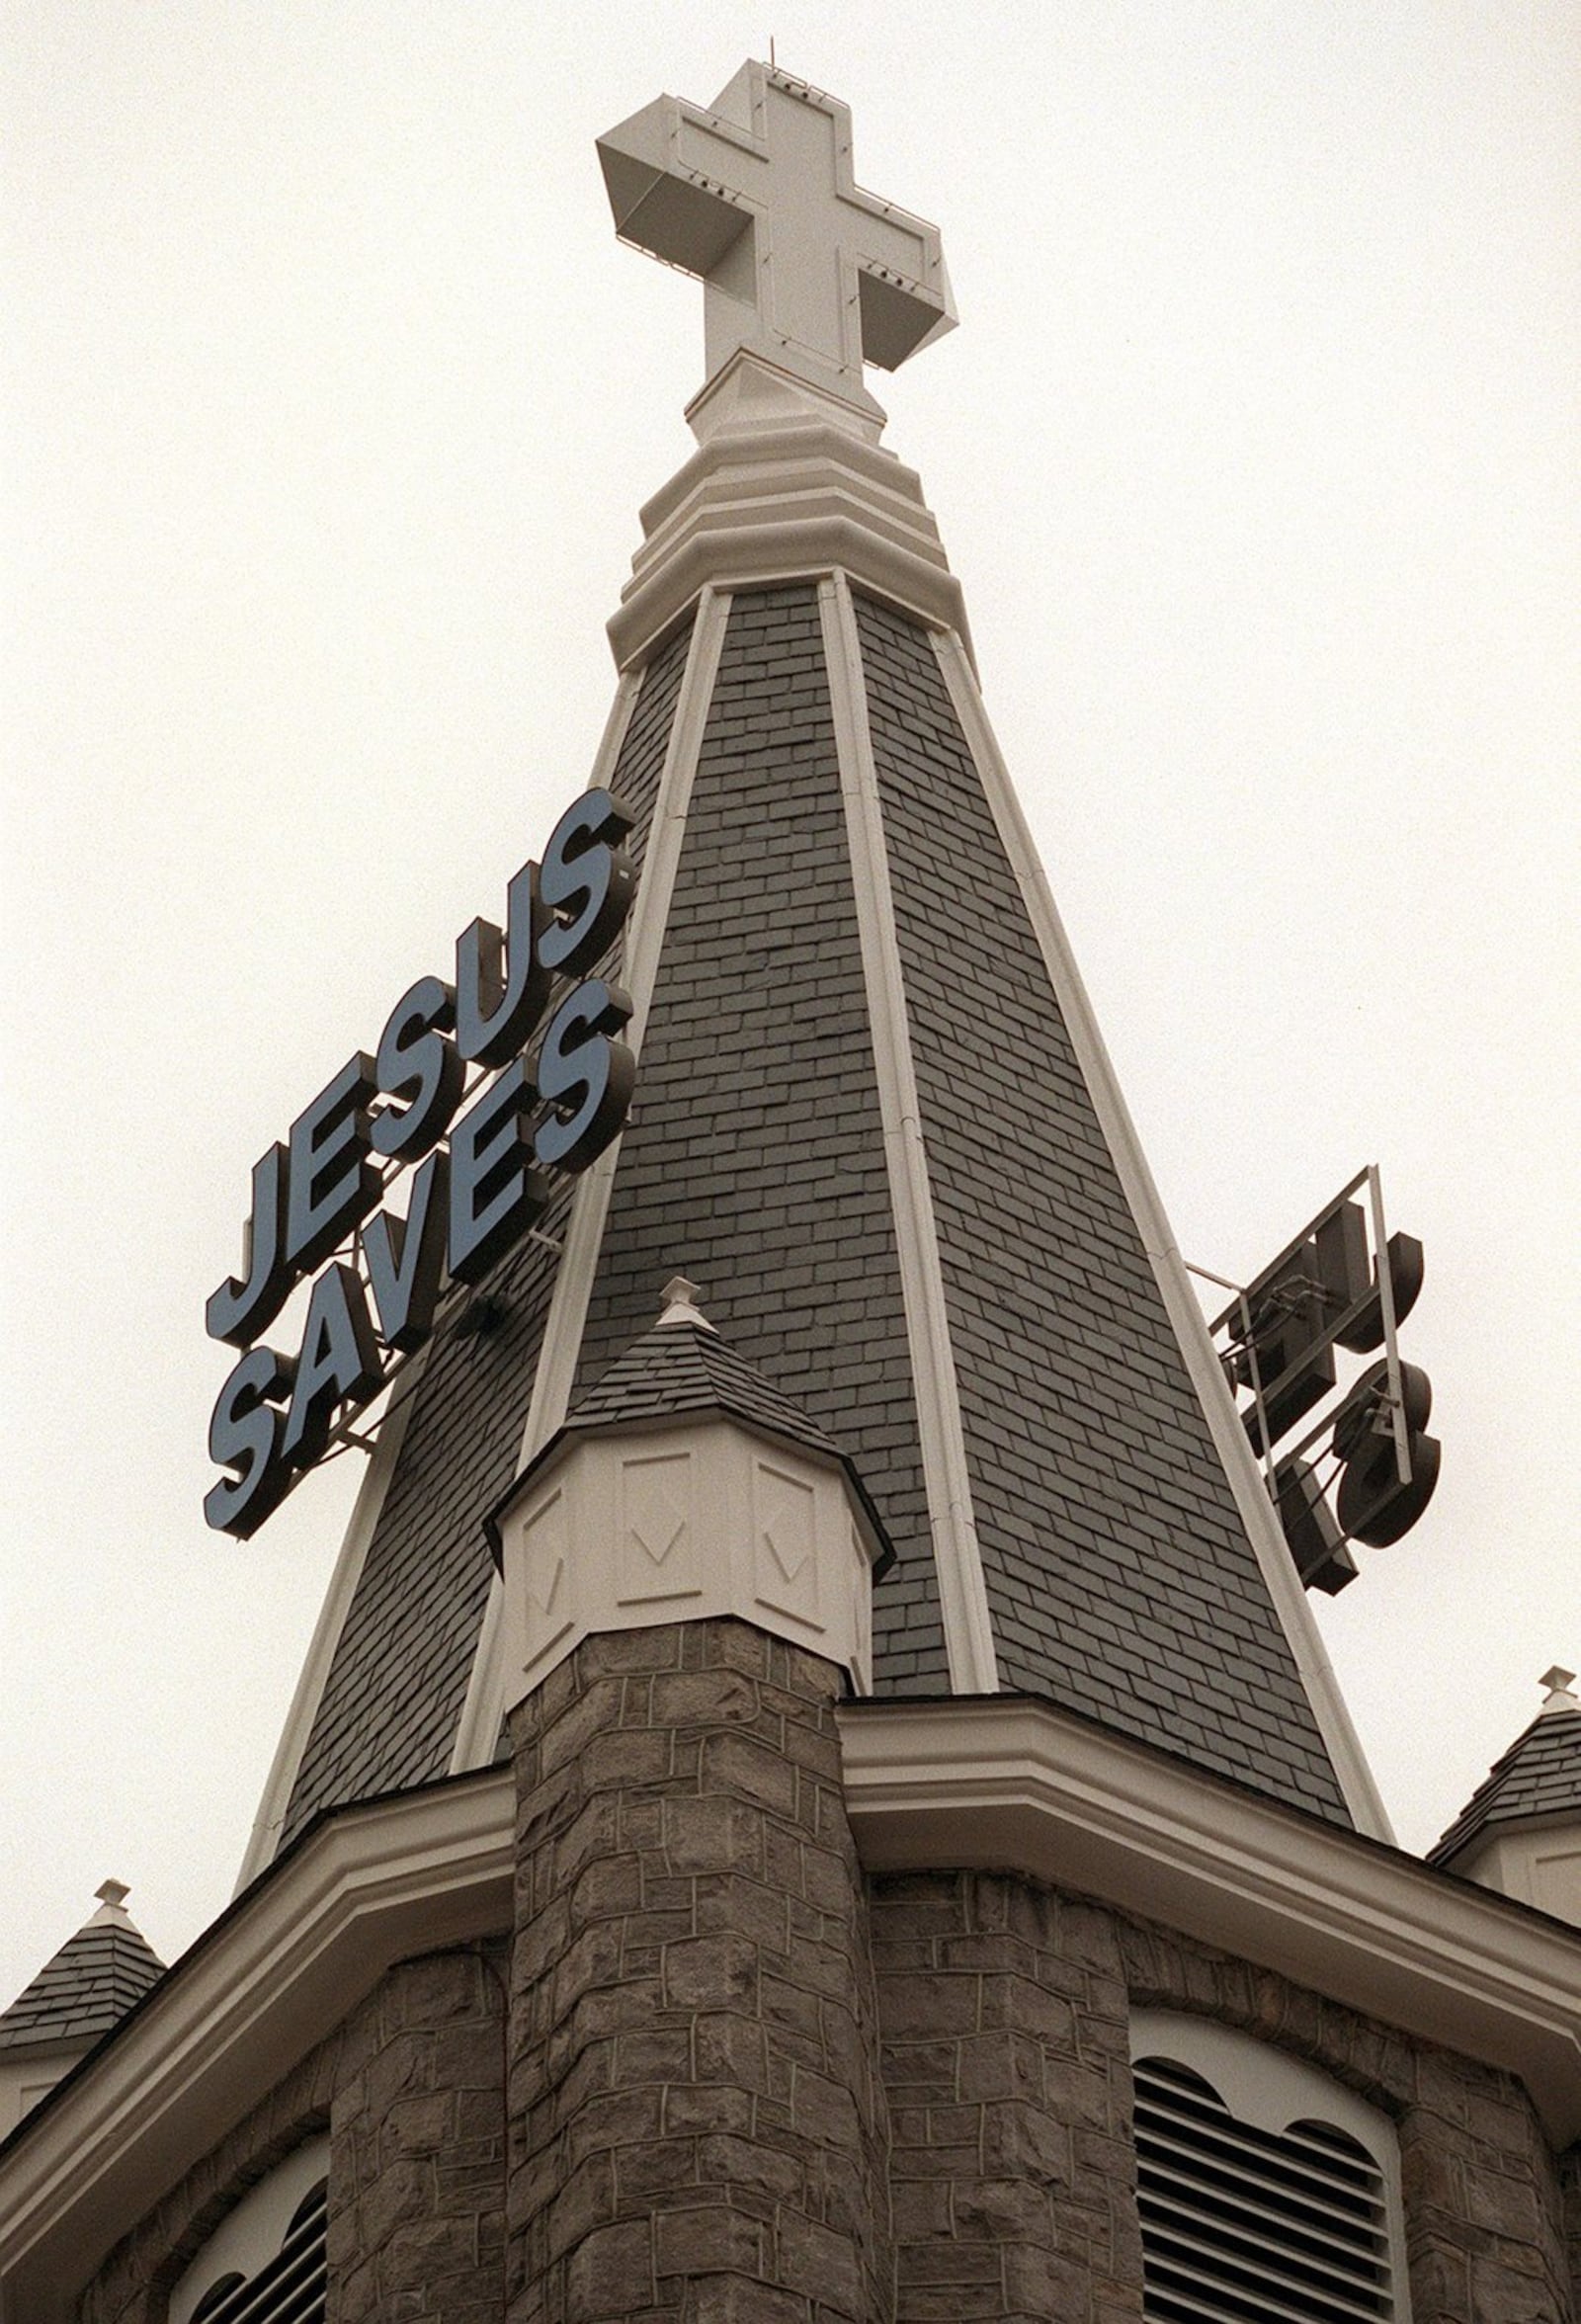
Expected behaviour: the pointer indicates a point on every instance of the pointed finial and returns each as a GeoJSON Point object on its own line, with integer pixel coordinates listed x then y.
{"type": "Point", "coordinates": [111, 1913]}
{"type": "Point", "coordinates": [680, 1303]}
{"type": "Point", "coordinates": [1558, 1696]}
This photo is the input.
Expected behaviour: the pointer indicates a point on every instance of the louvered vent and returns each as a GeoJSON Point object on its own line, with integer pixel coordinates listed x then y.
{"type": "Point", "coordinates": [1248, 2226]}
{"type": "Point", "coordinates": [292, 2290]}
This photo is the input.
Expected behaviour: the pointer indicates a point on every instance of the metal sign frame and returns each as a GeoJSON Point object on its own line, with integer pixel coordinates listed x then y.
{"type": "Point", "coordinates": [1388, 1397]}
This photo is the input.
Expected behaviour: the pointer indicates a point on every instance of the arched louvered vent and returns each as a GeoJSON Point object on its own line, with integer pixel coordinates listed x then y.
{"type": "Point", "coordinates": [291, 2288]}
{"type": "Point", "coordinates": [1242, 2225]}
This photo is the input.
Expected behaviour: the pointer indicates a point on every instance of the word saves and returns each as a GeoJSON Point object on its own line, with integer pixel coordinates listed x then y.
{"type": "Point", "coordinates": [478, 1184]}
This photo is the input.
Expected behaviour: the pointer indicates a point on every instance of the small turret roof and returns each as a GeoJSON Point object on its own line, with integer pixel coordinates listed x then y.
{"type": "Point", "coordinates": [680, 1364]}
{"type": "Point", "coordinates": [680, 1367]}
{"type": "Point", "coordinates": [1539, 1775]}
{"type": "Point", "coordinates": [90, 1983]}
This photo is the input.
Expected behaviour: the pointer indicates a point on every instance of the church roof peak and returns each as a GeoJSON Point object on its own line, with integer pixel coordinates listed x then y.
{"type": "Point", "coordinates": [680, 1364]}
{"type": "Point", "coordinates": [111, 1913]}
{"type": "Point", "coordinates": [90, 1984]}
{"type": "Point", "coordinates": [680, 1305]}
{"type": "Point", "coordinates": [1538, 1777]}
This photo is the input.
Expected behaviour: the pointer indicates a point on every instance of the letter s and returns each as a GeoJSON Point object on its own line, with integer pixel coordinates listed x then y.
{"type": "Point", "coordinates": [244, 1435]}
{"type": "Point", "coordinates": [586, 1076]}
{"type": "Point", "coordinates": [586, 882]}
{"type": "Point", "coordinates": [416, 1062]}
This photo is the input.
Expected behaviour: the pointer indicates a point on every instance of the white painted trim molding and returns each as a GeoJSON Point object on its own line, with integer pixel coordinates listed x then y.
{"type": "Point", "coordinates": [274, 1975]}
{"type": "Point", "coordinates": [281, 1781]}
{"type": "Point", "coordinates": [819, 538]}
{"type": "Point", "coordinates": [573, 1288]}
{"type": "Point", "coordinates": [1260, 2084]}
{"type": "Point", "coordinates": [1020, 1786]}
{"type": "Point", "coordinates": [486, 1694]}
{"type": "Point", "coordinates": [957, 1555]}
{"type": "Point", "coordinates": [1295, 1618]}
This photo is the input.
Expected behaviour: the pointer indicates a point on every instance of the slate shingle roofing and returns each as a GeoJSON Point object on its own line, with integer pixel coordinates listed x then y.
{"type": "Point", "coordinates": [1538, 1776]}
{"type": "Point", "coordinates": [86, 1989]}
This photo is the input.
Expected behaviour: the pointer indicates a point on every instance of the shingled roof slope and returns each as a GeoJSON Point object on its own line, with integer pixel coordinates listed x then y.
{"type": "Point", "coordinates": [86, 1988]}
{"type": "Point", "coordinates": [682, 1367]}
{"type": "Point", "coordinates": [387, 1714]}
{"type": "Point", "coordinates": [1539, 1775]}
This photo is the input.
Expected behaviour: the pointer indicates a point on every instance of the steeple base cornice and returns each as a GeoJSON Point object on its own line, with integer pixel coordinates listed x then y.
{"type": "Point", "coordinates": [788, 483]}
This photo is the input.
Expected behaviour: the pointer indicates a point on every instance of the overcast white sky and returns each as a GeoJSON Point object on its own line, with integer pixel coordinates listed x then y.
{"type": "Point", "coordinates": [332, 400]}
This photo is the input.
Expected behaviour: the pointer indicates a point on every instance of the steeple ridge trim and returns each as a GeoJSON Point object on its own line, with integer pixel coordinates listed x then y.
{"type": "Point", "coordinates": [275, 1804]}
{"type": "Point", "coordinates": [477, 1730]}
{"type": "Point", "coordinates": [957, 1556]}
{"type": "Point", "coordinates": [395, 1583]}
{"type": "Point", "coordinates": [644, 943]}
{"type": "Point", "coordinates": [1316, 1674]}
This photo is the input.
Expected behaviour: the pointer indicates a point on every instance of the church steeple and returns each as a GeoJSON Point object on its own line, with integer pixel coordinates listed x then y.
{"type": "Point", "coordinates": [874, 1116]}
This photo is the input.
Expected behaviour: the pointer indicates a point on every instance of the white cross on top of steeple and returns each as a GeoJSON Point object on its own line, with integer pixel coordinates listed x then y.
{"type": "Point", "coordinates": [755, 194]}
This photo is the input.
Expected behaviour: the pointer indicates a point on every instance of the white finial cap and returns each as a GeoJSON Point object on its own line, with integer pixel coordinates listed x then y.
{"type": "Point", "coordinates": [1558, 1696]}
{"type": "Point", "coordinates": [680, 1303]}
{"type": "Point", "coordinates": [112, 1895]}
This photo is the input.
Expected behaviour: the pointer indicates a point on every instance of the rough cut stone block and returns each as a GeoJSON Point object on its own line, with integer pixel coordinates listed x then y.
{"type": "Point", "coordinates": [610, 2274]}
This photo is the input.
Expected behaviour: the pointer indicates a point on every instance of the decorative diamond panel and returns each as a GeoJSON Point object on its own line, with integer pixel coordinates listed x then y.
{"type": "Point", "coordinates": [786, 1542]}
{"type": "Point", "coordinates": [544, 1546]}
{"type": "Point", "coordinates": [657, 1555]}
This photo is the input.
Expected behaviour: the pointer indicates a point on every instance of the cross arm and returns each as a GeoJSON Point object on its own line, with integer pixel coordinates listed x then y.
{"type": "Point", "coordinates": [901, 281]}
{"type": "Point", "coordinates": [673, 175]}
